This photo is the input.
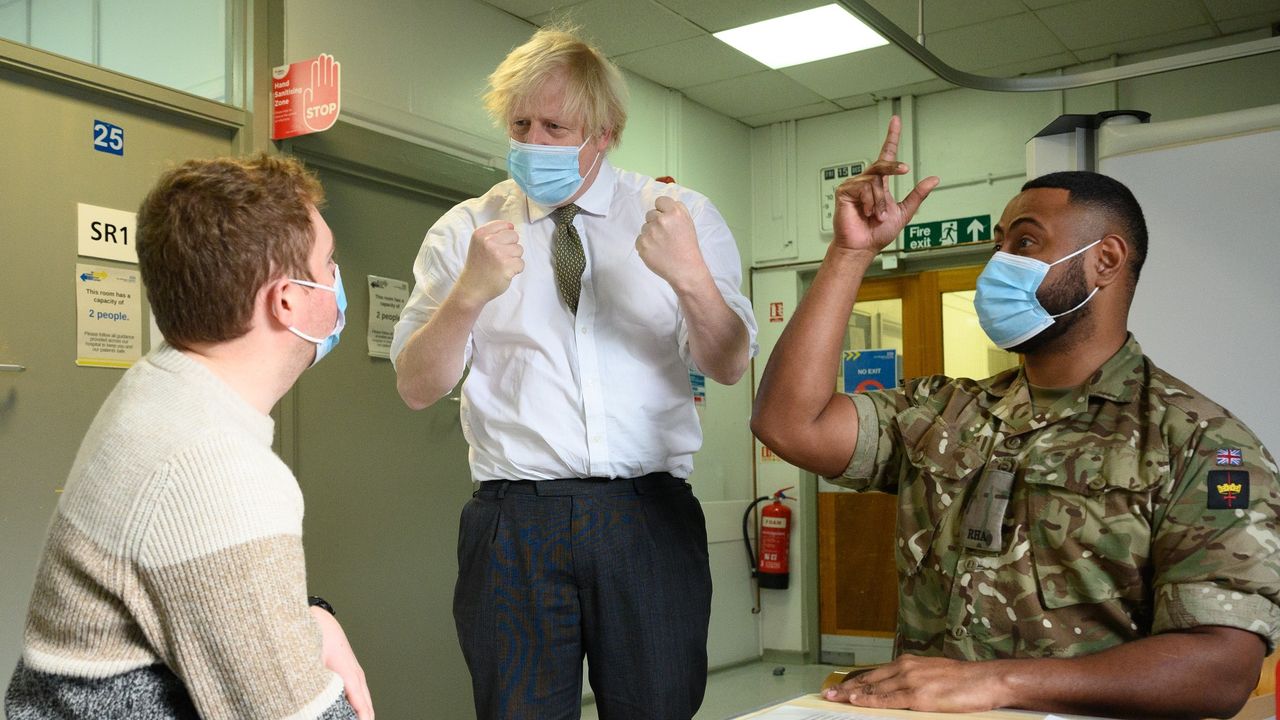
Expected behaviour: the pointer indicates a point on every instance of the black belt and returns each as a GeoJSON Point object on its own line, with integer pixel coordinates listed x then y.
{"type": "Point", "coordinates": [583, 486]}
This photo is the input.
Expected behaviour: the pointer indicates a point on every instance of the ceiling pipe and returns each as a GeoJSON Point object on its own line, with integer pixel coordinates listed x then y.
{"type": "Point", "coordinates": [920, 22]}
{"type": "Point", "coordinates": [891, 32]}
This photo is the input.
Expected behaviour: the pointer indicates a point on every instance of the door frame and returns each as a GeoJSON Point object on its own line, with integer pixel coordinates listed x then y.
{"type": "Point", "coordinates": [921, 295]}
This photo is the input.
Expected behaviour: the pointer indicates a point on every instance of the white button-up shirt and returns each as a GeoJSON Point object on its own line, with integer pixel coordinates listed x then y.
{"type": "Point", "coordinates": [604, 393]}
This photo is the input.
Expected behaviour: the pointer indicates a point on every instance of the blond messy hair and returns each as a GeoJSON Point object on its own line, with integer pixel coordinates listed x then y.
{"type": "Point", "coordinates": [595, 92]}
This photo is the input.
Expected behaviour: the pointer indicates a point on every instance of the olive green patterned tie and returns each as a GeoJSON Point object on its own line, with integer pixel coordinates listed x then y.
{"type": "Point", "coordinates": [567, 259]}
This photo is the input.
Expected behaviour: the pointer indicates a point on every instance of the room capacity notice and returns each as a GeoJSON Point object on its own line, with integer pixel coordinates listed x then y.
{"type": "Point", "coordinates": [386, 298]}
{"type": "Point", "coordinates": [109, 316]}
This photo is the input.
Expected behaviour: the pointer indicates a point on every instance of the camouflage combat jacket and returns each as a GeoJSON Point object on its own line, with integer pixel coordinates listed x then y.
{"type": "Point", "coordinates": [1134, 507]}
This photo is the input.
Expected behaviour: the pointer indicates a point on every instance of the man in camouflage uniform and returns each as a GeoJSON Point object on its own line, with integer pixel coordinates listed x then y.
{"type": "Point", "coordinates": [1085, 533]}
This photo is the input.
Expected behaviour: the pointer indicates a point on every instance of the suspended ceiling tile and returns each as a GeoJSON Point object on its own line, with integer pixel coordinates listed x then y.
{"type": "Point", "coordinates": [860, 72]}
{"type": "Point", "coordinates": [945, 15]}
{"type": "Point", "coordinates": [717, 15]}
{"type": "Point", "coordinates": [916, 89]}
{"type": "Point", "coordinates": [857, 101]}
{"type": "Point", "coordinates": [1041, 4]}
{"type": "Point", "coordinates": [996, 42]}
{"type": "Point", "coordinates": [796, 113]}
{"type": "Point", "coordinates": [1230, 9]}
{"type": "Point", "coordinates": [696, 61]}
{"type": "Point", "coordinates": [1262, 21]}
{"type": "Point", "coordinates": [618, 27]}
{"type": "Point", "coordinates": [1143, 44]}
{"type": "Point", "coordinates": [755, 94]}
{"type": "Point", "coordinates": [997, 38]}
{"type": "Point", "coordinates": [528, 8]}
{"type": "Point", "coordinates": [1033, 66]}
{"type": "Point", "coordinates": [1203, 44]}
{"type": "Point", "coordinates": [1095, 23]}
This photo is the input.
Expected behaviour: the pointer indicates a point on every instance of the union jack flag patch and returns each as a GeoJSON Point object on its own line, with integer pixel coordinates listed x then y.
{"type": "Point", "coordinates": [1229, 456]}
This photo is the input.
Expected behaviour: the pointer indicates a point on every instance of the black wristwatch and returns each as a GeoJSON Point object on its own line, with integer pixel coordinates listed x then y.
{"type": "Point", "coordinates": [317, 601]}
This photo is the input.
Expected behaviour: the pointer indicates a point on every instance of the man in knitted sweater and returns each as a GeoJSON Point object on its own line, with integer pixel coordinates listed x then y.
{"type": "Point", "coordinates": [173, 583]}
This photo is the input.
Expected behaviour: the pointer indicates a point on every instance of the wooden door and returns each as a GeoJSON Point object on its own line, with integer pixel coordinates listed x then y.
{"type": "Point", "coordinates": [857, 577]}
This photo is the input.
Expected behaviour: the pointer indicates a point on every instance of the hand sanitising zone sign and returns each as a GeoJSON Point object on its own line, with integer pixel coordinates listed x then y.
{"type": "Point", "coordinates": [305, 97]}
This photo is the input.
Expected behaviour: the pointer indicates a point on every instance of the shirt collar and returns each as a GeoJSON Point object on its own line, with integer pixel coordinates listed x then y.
{"type": "Point", "coordinates": [598, 197]}
{"type": "Point", "coordinates": [595, 201]}
{"type": "Point", "coordinates": [1117, 380]}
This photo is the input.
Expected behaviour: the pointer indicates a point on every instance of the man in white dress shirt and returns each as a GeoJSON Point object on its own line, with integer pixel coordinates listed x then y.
{"type": "Point", "coordinates": [581, 296]}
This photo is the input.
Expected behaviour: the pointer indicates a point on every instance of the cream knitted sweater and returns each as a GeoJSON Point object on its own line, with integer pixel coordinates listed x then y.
{"type": "Point", "coordinates": [173, 580]}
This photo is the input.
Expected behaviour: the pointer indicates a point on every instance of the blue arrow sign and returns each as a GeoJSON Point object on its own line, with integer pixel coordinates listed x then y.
{"type": "Point", "coordinates": [866, 370]}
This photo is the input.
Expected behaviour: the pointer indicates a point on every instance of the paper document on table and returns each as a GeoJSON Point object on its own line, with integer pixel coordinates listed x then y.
{"type": "Point", "coordinates": [795, 712]}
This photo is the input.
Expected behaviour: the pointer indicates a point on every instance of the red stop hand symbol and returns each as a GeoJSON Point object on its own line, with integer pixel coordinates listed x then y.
{"type": "Point", "coordinates": [322, 101]}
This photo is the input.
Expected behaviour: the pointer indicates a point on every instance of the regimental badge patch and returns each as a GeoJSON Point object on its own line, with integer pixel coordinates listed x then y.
{"type": "Point", "coordinates": [1228, 489]}
{"type": "Point", "coordinates": [1229, 456]}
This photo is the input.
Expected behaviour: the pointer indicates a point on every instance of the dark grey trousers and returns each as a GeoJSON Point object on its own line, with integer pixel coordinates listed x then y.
{"type": "Point", "coordinates": [614, 569]}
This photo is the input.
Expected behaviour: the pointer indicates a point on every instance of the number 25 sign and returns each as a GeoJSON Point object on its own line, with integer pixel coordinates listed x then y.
{"type": "Point", "coordinates": [305, 97]}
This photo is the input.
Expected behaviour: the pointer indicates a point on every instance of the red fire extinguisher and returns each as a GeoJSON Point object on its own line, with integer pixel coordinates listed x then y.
{"type": "Point", "coordinates": [771, 568]}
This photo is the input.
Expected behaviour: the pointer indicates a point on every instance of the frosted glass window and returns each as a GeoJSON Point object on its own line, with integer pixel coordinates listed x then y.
{"type": "Point", "coordinates": [966, 349]}
{"type": "Point", "coordinates": [873, 325]}
{"type": "Point", "coordinates": [13, 20]}
{"type": "Point", "coordinates": [64, 27]}
{"type": "Point", "coordinates": [180, 44]}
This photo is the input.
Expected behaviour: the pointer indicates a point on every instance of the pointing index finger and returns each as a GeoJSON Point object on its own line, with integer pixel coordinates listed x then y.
{"type": "Point", "coordinates": [889, 151]}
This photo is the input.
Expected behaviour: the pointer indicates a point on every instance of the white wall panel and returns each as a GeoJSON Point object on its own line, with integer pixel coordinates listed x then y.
{"type": "Point", "coordinates": [1205, 300]}
{"type": "Point", "coordinates": [413, 67]}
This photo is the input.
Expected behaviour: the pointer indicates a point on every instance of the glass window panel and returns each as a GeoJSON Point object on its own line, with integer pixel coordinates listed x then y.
{"type": "Point", "coordinates": [966, 349]}
{"type": "Point", "coordinates": [181, 44]}
{"type": "Point", "coordinates": [64, 27]}
{"type": "Point", "coordinates": [874, 325]}
{"type": "Point", "coordinates": [13, 20]}
{"type": "Point", "coordinates": [177, 43]}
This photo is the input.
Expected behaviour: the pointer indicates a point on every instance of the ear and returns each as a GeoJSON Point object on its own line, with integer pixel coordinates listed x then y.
{"type": "Point", "coordinates": [1112, 260]}
{"type": "Point", "coordinates": [280, 301]}
{"type": "Point", "coordinates": [606, 138]}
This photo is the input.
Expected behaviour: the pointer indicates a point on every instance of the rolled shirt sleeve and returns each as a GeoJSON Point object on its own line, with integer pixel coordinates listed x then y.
{"type": "Point", "coordinates": [435, 270]}
{"type": "Point", "coordinates": [883, 416]}
{"type": "Point", "coordinates": [720, 252]}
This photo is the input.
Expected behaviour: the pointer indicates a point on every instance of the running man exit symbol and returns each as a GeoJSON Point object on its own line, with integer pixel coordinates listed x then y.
{"type": "Point", "coordinates": [946, 233]}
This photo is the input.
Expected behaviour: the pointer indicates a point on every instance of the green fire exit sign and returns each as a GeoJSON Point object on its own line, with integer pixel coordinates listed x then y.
{"type": "Point", "coordinates": [945, 233]}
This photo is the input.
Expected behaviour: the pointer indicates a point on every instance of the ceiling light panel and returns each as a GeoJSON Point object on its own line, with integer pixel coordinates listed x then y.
{"type": "Point", "coordinates": [802, 37]}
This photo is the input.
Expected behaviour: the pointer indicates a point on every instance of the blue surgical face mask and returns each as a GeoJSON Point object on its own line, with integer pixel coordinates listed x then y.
{"type": "Point", "coordinates": [1006, 303]}
{"type": "Point", "coordinates": [330, 341]}
{"type": "Point", "coordinates": [548, 174]}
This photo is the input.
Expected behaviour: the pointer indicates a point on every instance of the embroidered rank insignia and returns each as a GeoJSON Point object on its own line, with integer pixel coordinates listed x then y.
{"type": "Point", "coordinates": [1228, 489]}
{"type": "Point", "coordinates": [1229, 456]}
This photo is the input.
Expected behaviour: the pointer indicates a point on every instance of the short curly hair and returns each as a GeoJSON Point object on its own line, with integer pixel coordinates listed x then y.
{"type": "Point", "coordinates": [211, 233]}
{"type": "Point", "coordinates": [1109, 196]}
